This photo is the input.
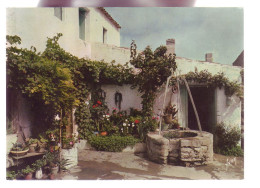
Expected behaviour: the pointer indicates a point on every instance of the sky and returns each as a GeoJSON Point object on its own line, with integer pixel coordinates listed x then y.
{"type": "Point", "coordinates": [196, 31]}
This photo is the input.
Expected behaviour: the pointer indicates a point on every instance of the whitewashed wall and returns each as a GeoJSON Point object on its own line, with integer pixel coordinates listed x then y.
{"type": "Point", "coordinates": [34, 25]}
{"type": "Point", "coordinates": [131, 98]}
{"type": "Point", "coordinates": [97, 22]}
{"type": "Point", "coordinates": [186, 65]}
{"type": "Point", "coordinates": [109, 53]}
{"type": "Point", "coordinates": [229, 114]}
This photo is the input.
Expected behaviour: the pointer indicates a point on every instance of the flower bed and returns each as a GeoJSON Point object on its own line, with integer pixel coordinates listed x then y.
{"type": "Point", "coordinates": [112, 143]}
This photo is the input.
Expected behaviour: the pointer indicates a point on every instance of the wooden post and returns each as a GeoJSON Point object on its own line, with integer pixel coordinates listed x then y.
{"type": "Point", "coordinates": [165, 94]}
{"type": "Point", "coordinates": [193, 104]}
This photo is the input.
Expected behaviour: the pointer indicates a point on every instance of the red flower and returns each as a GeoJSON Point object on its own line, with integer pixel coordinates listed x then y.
{"type": "Point", "coordinates": [137, 121]}
{"type": "Point", "coordinates": [99, 102]}
{"type": "Point", "coordinates": [94, 106]}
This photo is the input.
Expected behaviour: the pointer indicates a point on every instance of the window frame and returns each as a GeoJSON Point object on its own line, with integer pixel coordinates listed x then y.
{"type": "Point", "coordinates": [82, 23]}
{"type": "Point", "coordinates": [59, 14]}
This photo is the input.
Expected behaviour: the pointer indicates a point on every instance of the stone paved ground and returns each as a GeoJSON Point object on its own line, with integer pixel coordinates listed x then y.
{"type": "Point", "coordinates": [96, 165]}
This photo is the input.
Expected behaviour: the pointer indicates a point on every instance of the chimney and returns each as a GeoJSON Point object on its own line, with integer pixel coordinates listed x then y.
{"type": "Point", "coordinates": [170, 44]}
{"type": "Point", "coordinates": [209, 57]}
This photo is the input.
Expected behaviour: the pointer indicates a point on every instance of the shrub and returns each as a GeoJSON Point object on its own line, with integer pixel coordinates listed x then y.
{"type": "Point", "coordinates": [145, 126]}
{"type": "Point", "coordinates": [27, 170]}
{"type": "Point", "coordinates": [112, 143]}
{"type": "Point", "coordinates": [226, 140]}
{"type": "Point", "coordinates": [10, 175]}
{"type": "Point", "coordinates": [234, 151]}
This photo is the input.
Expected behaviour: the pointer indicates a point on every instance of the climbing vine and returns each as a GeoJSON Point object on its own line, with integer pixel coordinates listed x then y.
{"type": "Point", "coordinates": [55, 79]}
{"type": "Point", "coordinates": [219, 80]}
{"type": "Point", "coordinates": [154, 69]}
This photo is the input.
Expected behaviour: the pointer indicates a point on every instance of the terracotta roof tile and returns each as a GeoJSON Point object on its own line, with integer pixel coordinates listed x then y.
{"type": "Point", "coordinates": [109, 17]}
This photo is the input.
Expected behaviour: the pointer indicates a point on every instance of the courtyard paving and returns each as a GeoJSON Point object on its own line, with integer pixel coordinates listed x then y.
{"type": "Point", "coordinates": [96, 165]}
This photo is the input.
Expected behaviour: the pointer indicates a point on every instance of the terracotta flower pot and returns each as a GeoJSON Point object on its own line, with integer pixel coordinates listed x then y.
{"type": "Point", "coordinates": [55, 170]}
{"type": "Point", "coordinates": [51, 176]}
{"type": "Point", "coordinates": [104, 133]}
{"type": "Point", "coordinates": [167, 118]}
{"type": "Point", "coordinates": [19, 153]}
{"type": "Point", "coordinates": [28, 176]}
{"type": "Point", "coordinates": [41, 150]}
{"type": "Point", "coordinates": [32, 148]}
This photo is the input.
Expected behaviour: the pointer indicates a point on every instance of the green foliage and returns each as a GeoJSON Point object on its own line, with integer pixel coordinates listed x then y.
{"type": "Point", "coordinates": [154, 69]}
{"type": "Point", "coordinates": [19, 147]}
{"type": "Point", "coordinates": [146, 124]}
{"type": "Point", "coordinates": [219, 80]}
{"type": "Point", "coordinates": [236, 151]}
{"type": "Point", "coordinates": [55, 79]}
{"type": "Point", "coordinates": [51, 158]}
{"type": "Point", "coordinates": [40, 77]}
{"type": "Point", "coordinates": [112, 143]}
{"type": "Point", "coordinates": [171, 109]}
{"type": "Point", "coordinates": [11, 175]}
{"type": "Point", "coordinates": [27, 170]}
{"type": "Point", "coordinates": [62, 164]}
{"type": "Point", "coordinates": [33, 141]}
{"type": "Point", "coordinates": [84, 121]}
{"type": "Point", "coordinates": [39, 164]}
{"type": "Point", "coordinates": [226, 140]}
{"type": "Point", "coordinates": [13, 39]}
{"type": "Point", "coordinates": [135, 112]}
{"type": "Point", "coordinates": [118, 117]}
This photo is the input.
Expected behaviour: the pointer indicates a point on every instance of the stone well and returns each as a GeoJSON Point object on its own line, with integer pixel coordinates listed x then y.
{"type": "Point", "coordinates": [180, 147]}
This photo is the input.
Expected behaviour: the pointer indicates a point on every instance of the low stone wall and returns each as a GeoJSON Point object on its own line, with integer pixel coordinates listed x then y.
{"type": "Point", "coordinates": [71, 155]}
{"type": "Point", "coordinates": [189, 151]}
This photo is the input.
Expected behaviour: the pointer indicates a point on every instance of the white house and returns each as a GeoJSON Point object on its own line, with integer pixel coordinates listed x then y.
{"type": "Point", "coordinates": [92, 33]}
{"type": "Point", "coordinates": [87, 32]}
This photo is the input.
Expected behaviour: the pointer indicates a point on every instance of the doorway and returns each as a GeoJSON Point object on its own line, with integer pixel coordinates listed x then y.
{"type": "Point", "coordinates": [204, 99]}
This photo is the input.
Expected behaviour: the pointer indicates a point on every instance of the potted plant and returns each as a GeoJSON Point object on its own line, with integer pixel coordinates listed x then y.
{"type": "Point", "coordinates": [165, 126]}
{"type": "Point", "coordinates": [27, 172]}
{"type": "Point", "coordinates": [62, 163]}
{"type": "Point", "coordinates": [32, 142]}
{"type": "Point", "coordinates": [19, 150]}
{"type": "Point", "coordinates": [169, 113]}
{"type": "Point", "coordinates": [37, 165]}
{"type": "Point", "coordinates": [175, 124]}
{"type": "Point", "coordinates": [11, 175]}
{"type": "Point", "coordinates": [51, 161]}
{"type": "Point", "coordinates": [42, 144]}
{"type": "Point", "coordinates": [68, 142]}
